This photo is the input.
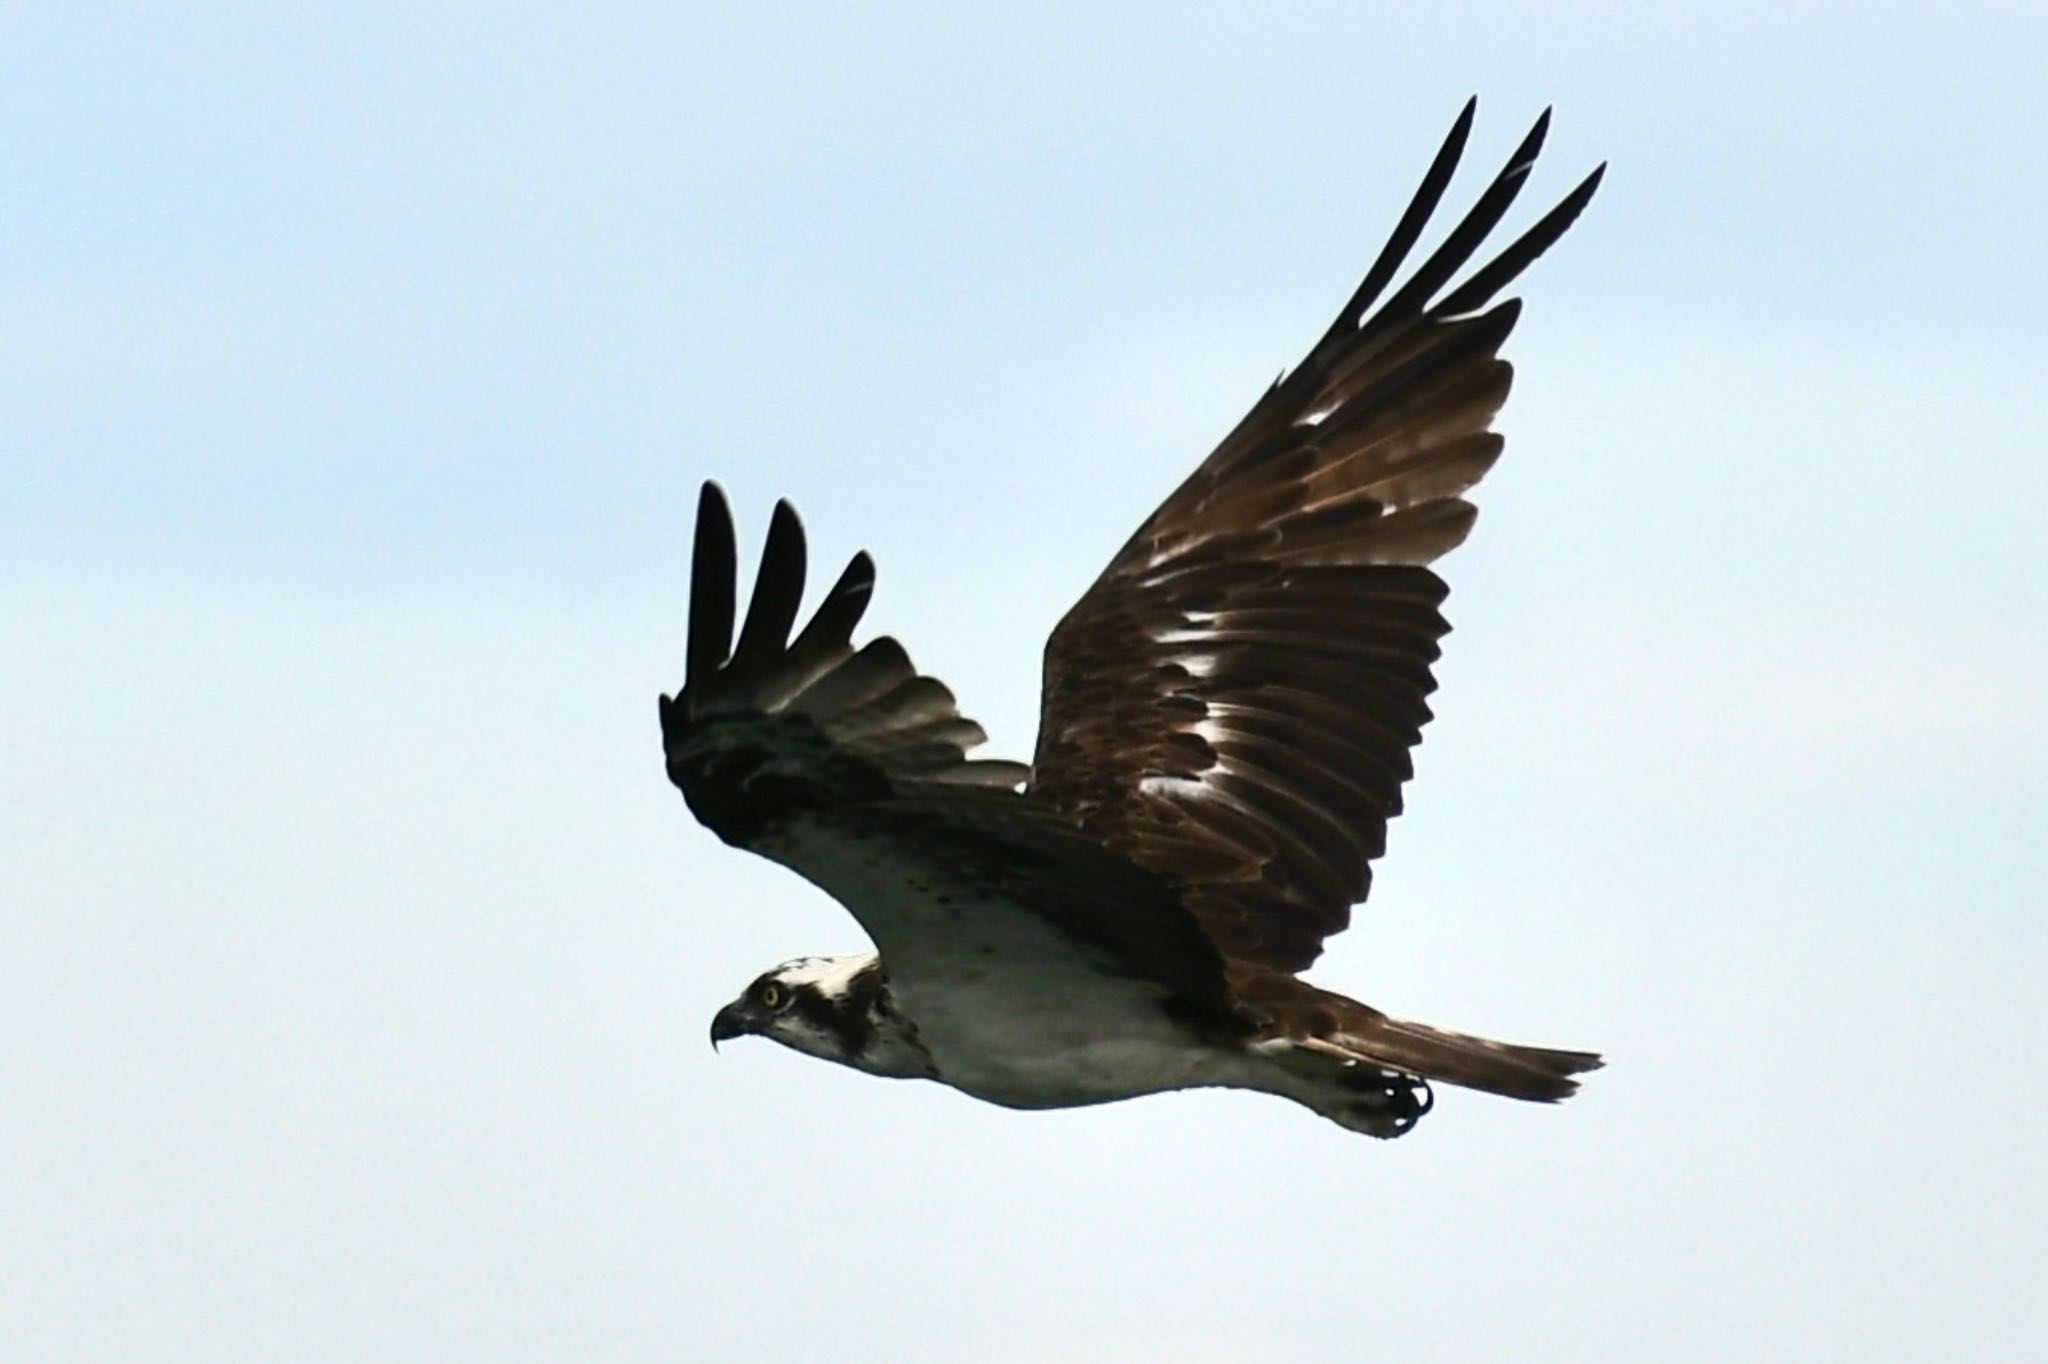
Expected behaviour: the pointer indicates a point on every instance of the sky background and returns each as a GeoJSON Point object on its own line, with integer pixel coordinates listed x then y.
{"type": "Point", "coordinates": [358, 366]}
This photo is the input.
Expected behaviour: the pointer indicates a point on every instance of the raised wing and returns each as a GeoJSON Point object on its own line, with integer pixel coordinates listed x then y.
{"type": "Point", "coordinates": [770, 726]}
{"type": "Point", "coordinates": [1234, 699]}
{"type": "Point", "coordinates": [849, 767]}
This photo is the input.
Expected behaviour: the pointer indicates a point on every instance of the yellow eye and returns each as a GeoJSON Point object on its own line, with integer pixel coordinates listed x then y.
{"type": "Point", "coordinates": [771, 996]}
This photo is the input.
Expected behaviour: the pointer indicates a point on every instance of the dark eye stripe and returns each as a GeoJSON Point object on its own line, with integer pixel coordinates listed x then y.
{"type": "Point", "coordinates": [845, 1018]}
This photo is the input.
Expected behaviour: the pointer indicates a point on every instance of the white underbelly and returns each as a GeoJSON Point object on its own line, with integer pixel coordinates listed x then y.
{"type": "Point", "coordinates": [1011, 1009]}
{"type": "Point", "coordinates": [1051, 1048]}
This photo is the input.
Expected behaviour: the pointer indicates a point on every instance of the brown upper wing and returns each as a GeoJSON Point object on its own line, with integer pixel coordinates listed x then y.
{"type": "Point", "coordinates": [1233, 701]}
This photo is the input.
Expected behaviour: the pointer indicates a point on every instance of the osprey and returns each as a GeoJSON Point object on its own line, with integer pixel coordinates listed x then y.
{"type": "Point", "coordinates": [1225, 726]}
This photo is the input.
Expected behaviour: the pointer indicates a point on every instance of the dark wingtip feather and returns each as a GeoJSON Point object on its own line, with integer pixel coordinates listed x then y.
{"type": "Point", "coordinates": [714, 565]}
{"type": "Point", "coordinates": [1534, 141]}
{"type": "Point", "coordinates": [1466, 237]}
{"type": "Point", "coordinates": [778, 591]}
{"type": "Point", "coordinates": [1520, 254]}
{"type": "Point", "coordinates": [831, 625]}
{"type": "Point", "coordinates": [1414, 218]}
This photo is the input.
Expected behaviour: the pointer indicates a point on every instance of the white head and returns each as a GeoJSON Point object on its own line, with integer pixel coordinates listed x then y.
{"type": "Point", "coordinates": [834, 1008]}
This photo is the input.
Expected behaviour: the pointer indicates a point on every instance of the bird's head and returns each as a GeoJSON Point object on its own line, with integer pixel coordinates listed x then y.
{"type": "Point", "coordinates": [835, 1008]}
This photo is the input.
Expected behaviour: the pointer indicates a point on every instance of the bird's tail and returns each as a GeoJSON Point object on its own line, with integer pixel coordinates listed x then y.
{"type": "Point", "coordinates": [1542, 1074]}
{"type": "Point", "coordinates": [1372, 1074]}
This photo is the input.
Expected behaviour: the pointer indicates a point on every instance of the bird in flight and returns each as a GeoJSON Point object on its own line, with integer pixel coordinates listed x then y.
{"type": "Point", "coordinates": [1225, 726]}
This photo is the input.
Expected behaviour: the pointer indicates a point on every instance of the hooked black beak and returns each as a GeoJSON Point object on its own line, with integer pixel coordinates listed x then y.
{"type": "Point", "coordinates": [728, 1023]}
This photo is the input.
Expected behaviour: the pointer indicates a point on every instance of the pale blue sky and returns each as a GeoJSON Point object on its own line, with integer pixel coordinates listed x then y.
{"type": "Point", "coordinates": [357, 369]}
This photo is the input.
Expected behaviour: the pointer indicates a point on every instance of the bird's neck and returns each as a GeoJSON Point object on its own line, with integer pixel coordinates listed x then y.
{"type": "Point", "coordinates": [881, 1041]}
